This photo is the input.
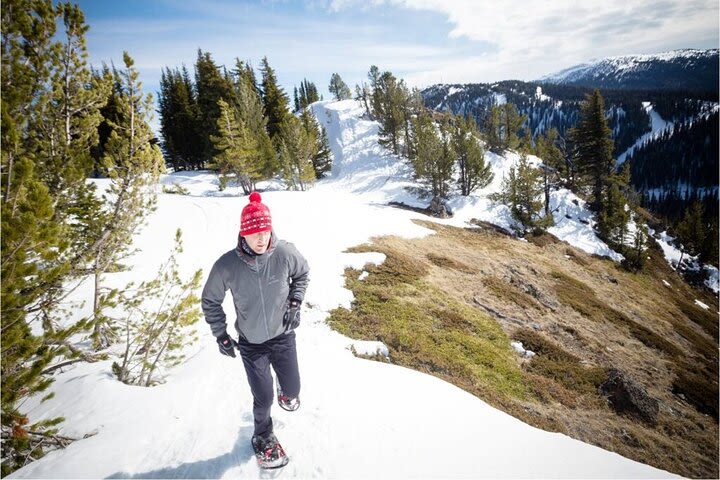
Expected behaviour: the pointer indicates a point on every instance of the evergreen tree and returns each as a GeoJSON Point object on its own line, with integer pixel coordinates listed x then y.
{"type": "Point", "coordinates": [249, 104]}
{"type": "Point", "coordinates": [322, 159]}
{"type": "Point", "coordinates": [596, 166]}
{"type": "Point", "coordinates": [155, 336]}
{"type": "Point", "coordinates": [275, 102]}
{"type": "Point", "coordinates": [297, 149]}
{"type": "Point", "coordinates": [50, 104]}
{"type": "Point", "coordinates": [178, 111]}
{"type": "Point", "coordinates": [388, 103]}
{"type": "Point", "coordinates": [522, 192]}
{"type": "Point", "coordinates": [594, 146]}
{"type": "Point", "coordinates": [132, 161]}
{"type": "Point", "coordinates": [363, 94]}
{"type": "Point", "coordinates": [308, 94]}
{"type": "Point", "coordinates": [546, 147]}
{"type": "Point", "coordinates": [492, 130]}
{"type": "Point", "coordinates": [512, 122]}
{"type": "Point", "coordinates": [501, 127]}
{"type": "Point", "coordinates": [692, 231]}
{"type": "Point", "coordinates": [237, 151]}
{"type": "Point", "coordinates": [474, 172]}
{"type": "Point", "coordinates": [339, 88]}
{"type": "Point", "coordinates": [434, 157]}
{"type": "Point", "coordinates": [210, 87]}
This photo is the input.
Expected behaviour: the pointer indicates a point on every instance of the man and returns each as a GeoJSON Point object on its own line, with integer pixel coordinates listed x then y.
{"type": "Point", "coordinates": [267, 278]}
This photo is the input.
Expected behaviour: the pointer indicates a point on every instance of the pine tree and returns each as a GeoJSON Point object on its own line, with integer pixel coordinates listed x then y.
{"type": "Point", "coordinates": [275, 102]}
{"type": "Point", "coordinates": [210, 87]}
{"type": "Point", "coordinates": [493, 130]}
{"type": "Point", "coordinates": [434, 157]}
{"type": "Point", "coordinates": [512, 122]}
{"type": "Point", "coordinates": [322, 159]}
{"type": "Point", "coordinates": [308, 94]}
{"type": "Point", "coordinates": [522, 192]}
{"type": "Point", "coordinates": [133, 161]}
{"type": "Point", "coordinates": [155, 336]}
{"type": "Point", "coordinates": [546, 147]}
{"type": "Point", "coordinates": [50, 103]}
{"type": "Point", "coordinates": [249, 104]}
{"type": "Point", "coordinates": [596, 167]}
{"type": "Point", "coordinates": [474, 172]}
{"type": "Point", "coordinates": [363, 93]}
{"type": "Point", "coordinates": [502, 125]}
{"type": "Point", "coordinates": [692, 230]}
{"type": "Point", "coordinates": [178, 111]}
{"type": "Point", "coordinates": [388, 103]}
{"type": "Point", "coordinates": [237, 151]}
{"type": "Point", "coordinates": [297, 149]}
{"type": "Point", "coordinates": [594, 146]}
{"type": "Point", "coordinates": [339, 88]}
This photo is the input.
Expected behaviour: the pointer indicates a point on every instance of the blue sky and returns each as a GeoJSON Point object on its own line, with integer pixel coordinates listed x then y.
{"type": "Point", "coordinates": [423, 41]}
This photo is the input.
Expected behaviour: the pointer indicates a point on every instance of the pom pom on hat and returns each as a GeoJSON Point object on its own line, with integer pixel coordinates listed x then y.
{"type": "Point", "coordinates": [255, 216]}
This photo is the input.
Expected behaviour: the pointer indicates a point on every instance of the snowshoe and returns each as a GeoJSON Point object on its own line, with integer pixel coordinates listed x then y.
{"type": "Point", "coordinates": [268, 452]}
{"type": "Point", "coordinates": [287, 403]}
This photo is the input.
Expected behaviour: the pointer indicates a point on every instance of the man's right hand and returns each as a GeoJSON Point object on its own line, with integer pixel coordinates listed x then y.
{"type": "Point", "coordinates": [227, 345]}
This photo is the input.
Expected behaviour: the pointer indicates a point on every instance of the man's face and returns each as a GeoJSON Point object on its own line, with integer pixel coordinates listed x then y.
{"type": "Point", "coordinates": [259, 241]}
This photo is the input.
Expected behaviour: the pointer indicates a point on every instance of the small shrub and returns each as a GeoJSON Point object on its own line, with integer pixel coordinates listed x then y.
{"type": "Point", "coordinates": [559, 365]}
{"type": "Point", "coordinates": [698, 383]}
{"type": "Point", "coordinates": [706, 319]}
{"type": "Point", "coordinates": [176, 188]}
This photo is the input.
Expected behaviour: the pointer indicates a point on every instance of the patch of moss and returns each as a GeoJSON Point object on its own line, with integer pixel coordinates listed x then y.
{"type": "Point", "coordinates": [427, 330]}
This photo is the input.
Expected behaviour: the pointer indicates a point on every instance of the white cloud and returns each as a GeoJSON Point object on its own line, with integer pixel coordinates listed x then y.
{"type": "Point", "coordinates": [531, 38]}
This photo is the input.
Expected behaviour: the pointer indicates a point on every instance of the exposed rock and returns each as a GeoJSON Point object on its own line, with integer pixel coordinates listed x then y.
{"type": "Point", "coordinates": [439, 208]}
{"type": "Point", "coordinates": [626, 396]}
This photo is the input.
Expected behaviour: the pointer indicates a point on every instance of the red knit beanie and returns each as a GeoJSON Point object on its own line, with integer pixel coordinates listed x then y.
{"type": "Point", "coordinates": [255, 216]}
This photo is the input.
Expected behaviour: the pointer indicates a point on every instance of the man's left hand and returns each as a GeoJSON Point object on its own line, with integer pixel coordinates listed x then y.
{"type": "Point", "coordinates": [291, 319]}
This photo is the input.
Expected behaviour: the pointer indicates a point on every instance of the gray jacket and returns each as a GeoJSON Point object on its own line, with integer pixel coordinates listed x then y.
{"type": "Point", "coordinates": [261, 286]}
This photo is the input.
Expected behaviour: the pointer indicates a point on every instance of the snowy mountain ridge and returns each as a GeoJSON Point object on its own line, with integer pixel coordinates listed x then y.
{"type": "Point", "coordinates": [677, 68]}
{"type": "Point", "coordinates": [356, 420]}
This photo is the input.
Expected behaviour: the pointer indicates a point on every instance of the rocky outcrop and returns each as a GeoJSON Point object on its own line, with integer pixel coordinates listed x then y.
{"type": "Point", "coordinates": [627, 396]}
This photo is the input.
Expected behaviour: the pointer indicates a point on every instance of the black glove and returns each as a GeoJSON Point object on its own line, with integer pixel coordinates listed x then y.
{"type": "Point", "coordinates": [227, 345]}
{"type": "Point", "coordinates": [291, 319]}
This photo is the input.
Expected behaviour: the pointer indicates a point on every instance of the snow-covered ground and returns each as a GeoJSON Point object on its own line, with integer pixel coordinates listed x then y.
{"type": "Point", "coordinates": [673, 255]}
{"type": "Point", "coordinates": [657, 127]}
{"type": "Point", "coordinates": [359, 418]}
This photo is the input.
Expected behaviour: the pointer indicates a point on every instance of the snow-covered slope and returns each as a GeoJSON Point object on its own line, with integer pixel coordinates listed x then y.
{"type": "Point", "coordinates": [678, 69]}
{"type": "Point", "coordinates": [359, 419]}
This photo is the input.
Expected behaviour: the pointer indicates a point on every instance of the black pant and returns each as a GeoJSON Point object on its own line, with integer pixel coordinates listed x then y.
{"type": "Point", "coordinates": [279, 352]}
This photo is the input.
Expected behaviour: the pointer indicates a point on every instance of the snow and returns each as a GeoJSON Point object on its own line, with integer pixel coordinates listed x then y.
{"type": "Point", "coordinates": [673, 255]}
{"type": "Point", "coordinates": [519, 348]}
{"type": "Point", "coordinates": [541, 96]}
{"type": "Point", "coordinates": [359, 418]}
{"type": "Point", "coordinates": [657, 128]}
{"type": "Point", "coordinates": [702, 305]}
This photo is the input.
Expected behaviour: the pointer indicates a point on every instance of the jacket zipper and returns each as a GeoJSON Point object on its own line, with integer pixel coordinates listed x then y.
{"type": "Point", "coordinates": [262, 302]}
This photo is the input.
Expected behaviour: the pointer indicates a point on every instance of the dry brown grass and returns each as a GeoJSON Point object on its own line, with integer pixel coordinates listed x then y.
{"type": "Point", "coordinates": [584, 315]}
